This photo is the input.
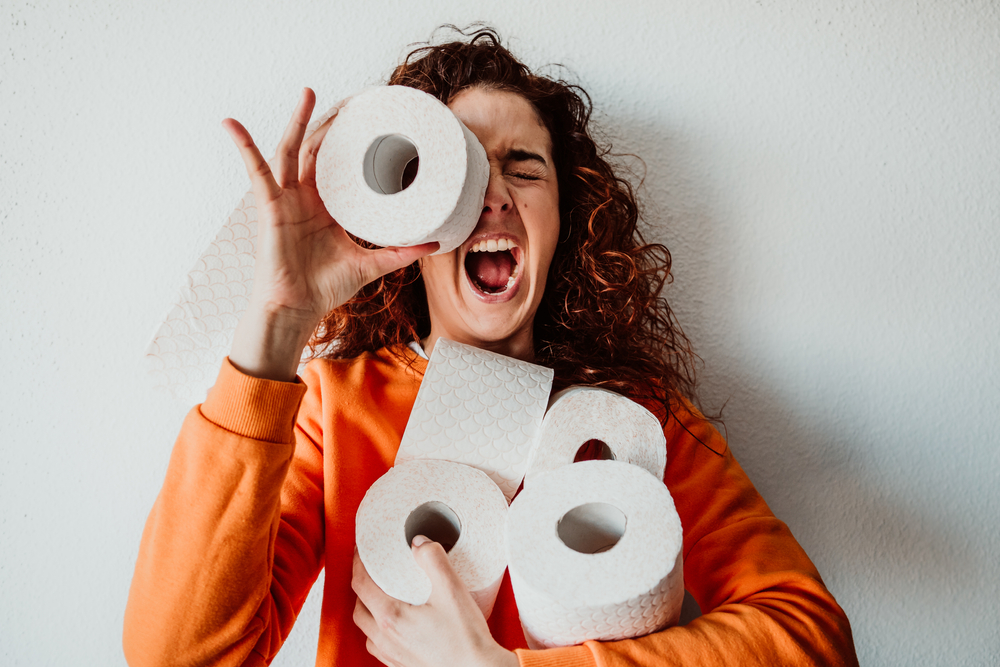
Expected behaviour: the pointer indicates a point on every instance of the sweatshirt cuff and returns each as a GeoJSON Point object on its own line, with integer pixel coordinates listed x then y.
{"type": "Point", "coordinates": [253, 407]}
{"type": "Point", "coordinates": [567, 656]}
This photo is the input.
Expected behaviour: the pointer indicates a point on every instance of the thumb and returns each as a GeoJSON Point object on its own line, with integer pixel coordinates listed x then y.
{"type": "Point", "coordinates": [433, 560]}
{"type": "Point", "coordinates": [384, 260]}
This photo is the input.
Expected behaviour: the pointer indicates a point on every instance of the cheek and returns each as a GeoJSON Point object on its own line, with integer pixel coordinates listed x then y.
{"type": "Point", "coordinates": [549, 238]}
{"type": "Point", "coordinates": [544, 230]}
{"type": "Point", "coordinates": [437, 265]}
{"type": "Point", "coordinates": [432, 271]}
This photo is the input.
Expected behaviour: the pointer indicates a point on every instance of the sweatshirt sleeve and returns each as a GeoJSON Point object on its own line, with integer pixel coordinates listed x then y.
{"type": "Point", "coordinates": [764, 601]}
{"type": "Point", "coordinates": [230, 548]}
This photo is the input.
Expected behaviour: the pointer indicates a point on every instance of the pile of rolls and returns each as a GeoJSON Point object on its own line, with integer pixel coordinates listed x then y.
{"type": "Point", "coordinates": [593, 546]}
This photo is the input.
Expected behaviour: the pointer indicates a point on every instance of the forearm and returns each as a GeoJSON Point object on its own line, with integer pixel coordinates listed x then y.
{"type": "Point", "coordinates": [203, 575]}
{"type": "Point", "coordinates": [764, 600]}
{"type": "Point", "coordinates": [780, 627]}
{"type": "Point", "coordinates": [269, 345]}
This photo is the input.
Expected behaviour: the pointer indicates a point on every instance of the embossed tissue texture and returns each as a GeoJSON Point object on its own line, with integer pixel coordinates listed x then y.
{"type": "Point", "coordinates": [445, 200]}
{"type": "Point", "coordinates": [477, 557]}
{"type": "Point", "coordinates": [579, 414]}
{"type": "Point", "coordinates": [478, 408]}
{"type": "Point", "coordinates": [566, 597]}
{"type": "Point", "coordinates": [197, 333]}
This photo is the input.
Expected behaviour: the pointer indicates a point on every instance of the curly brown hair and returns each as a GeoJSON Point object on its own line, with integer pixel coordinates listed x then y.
{"type": "Point", "coordinates": [602, 320]}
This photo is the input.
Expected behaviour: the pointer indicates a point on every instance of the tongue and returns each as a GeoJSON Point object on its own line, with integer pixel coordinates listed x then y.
{"type": "Point", "coordinates": [490, 270]}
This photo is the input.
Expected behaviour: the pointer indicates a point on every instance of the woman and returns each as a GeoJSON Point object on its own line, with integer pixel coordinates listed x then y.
{"type": "Point", "coordinates": [267, 474]}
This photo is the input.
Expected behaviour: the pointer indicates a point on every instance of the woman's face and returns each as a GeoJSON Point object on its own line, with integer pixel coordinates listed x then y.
{"type": "Point", "coordinates": [486, 291]}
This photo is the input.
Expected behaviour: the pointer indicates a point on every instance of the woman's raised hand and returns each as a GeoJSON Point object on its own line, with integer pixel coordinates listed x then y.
{"type": "Point", "coordinates": [306, 264]}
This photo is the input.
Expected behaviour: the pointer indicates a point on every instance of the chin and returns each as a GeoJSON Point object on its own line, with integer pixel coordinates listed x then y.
{"type": "Point", "coordinates": [488, 300]}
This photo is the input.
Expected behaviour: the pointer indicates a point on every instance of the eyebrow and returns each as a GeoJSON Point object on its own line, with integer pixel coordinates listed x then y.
{"type": "Point", "coordinates": [521, 155]}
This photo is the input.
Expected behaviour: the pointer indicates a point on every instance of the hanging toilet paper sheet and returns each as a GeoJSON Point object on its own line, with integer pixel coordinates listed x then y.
{"type": "Point", "coordinates": [450, 503]}
{"type": "Point", "coordinates": [579, 415]}
{"type": "Point", "coordinates": [197, 333]}
{"type": "Point", "coordinates": [594, 551]}
{"type": "Point", "coordinates": [478, 408]}
{"type": "Point", "coordinates": [398, 168]}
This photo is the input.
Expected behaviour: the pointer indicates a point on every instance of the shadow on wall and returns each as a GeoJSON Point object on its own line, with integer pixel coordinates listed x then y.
{"type": "Point", "coordinates": [896, 568]}
{"type": "Point", "coordinates": [888, 561]}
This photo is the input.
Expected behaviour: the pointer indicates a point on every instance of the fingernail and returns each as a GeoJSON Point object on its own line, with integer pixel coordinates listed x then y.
{"type": "Point", "coordinates": [420, 540]}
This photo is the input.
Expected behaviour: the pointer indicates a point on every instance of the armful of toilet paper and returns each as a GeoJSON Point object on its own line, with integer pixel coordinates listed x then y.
{"type": "Point", "coordinates": [449, 629]}
{"type": "Point", "coordinates": [306, 264]}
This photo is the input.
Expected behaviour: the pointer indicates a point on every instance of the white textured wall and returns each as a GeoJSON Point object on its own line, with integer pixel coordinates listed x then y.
{"type": "Point", "coordinates": [826, 173]}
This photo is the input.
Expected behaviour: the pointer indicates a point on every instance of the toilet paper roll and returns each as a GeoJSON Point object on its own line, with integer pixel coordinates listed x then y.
{"type": "Point", "coordinates": [450, 503]}
{"type": "Point", "coordinates": [578, 415]}
{"type": "Point", "coordinates": [370, 153]}
{"type": "Point", "coordinates": [478, 408]}
{"type": "Point", "coordinates": [594, 552]}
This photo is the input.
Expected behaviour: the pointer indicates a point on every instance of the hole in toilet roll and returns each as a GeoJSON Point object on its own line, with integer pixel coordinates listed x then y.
{"type": "Point", "coordinates": [594, 450]}
{"type": "Point", "coordinates": [410, 172]}
{"type": "Point", "coordinates": [391, 164]}
{"type": "Point", "coordinates": [435, 521]}
{"type": "Point", "coordinates": [592, 528]}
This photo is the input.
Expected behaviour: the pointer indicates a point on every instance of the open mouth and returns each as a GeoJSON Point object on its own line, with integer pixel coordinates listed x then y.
{"type": "Point", "coordinates": [492, 266]}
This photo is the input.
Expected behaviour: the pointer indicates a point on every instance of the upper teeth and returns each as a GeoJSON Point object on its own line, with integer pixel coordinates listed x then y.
{"type": "Point", "coordinates": [493, 245]}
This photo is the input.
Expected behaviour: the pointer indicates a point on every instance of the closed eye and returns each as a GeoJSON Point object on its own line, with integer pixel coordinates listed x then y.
{"type": "Point", "coordinates": [524, 165]}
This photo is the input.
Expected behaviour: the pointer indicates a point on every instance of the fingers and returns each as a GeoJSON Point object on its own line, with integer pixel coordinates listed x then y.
{"type": "Point", "coordinates": [431, 557]}
{"type": "Point", "coordinates": [257, 167]}
{"type": "Point", "coordinates": [373, 649]}
{"type": "Point", "coordinates": [373, 598]}
{"type": "Point", "coordinates": [364, 619]}
{"type": "Point", "coordinates": [372, 604]}
{"type": "Point", "coordinates": [310, 147]}
{"type": "Point", "coordinates": [287, 156]}
{"type": "Point", "coordinates": [367, 624]}
{"type": "Point", "coordinates": [327, 116]}
{"type": "Point", "coordinates": [382, 261]}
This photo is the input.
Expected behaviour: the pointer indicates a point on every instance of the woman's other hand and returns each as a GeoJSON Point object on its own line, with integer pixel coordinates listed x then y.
{"type": "Point", "coordinates": [449, 629]}
{"type": "Point", "coordinates": [306, 264]}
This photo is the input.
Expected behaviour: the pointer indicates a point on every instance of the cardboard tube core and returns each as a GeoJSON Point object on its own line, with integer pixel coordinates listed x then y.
{"type": "Point", "coordinates": [594, 450]}
{"type": "Point", "coordinates": [592, 528]}
{"type": "Point", "coordinates": [435, 521]}
{"type": "Point", "coordinates": [390, 164]}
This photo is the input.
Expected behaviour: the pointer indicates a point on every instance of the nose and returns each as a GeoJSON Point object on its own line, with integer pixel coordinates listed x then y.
{"type": "Point", "coordinates": [497, 199]}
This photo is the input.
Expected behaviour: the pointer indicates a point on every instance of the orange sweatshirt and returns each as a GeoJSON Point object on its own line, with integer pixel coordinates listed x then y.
{"type": "Point", "coordinates": [261, 492]}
